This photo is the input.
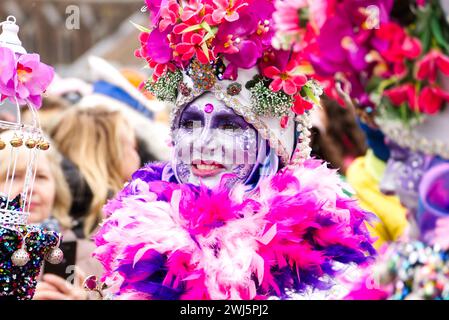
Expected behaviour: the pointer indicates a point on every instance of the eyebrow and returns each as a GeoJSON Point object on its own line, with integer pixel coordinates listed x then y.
{"type": "Point", "coordinates": [191, 113]}
{"type": "Point", "coordinates": [224, 115]}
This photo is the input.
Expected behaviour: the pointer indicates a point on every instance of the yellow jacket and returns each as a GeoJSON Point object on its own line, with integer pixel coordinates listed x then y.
{"type": "Point", "coordinates": [364, 175]}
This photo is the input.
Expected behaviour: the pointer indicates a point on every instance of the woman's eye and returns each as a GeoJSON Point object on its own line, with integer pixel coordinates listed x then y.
{"type": "Point", "coordinates": [229, 126]}
{"type": "Point", "coordinates": [187, 124]}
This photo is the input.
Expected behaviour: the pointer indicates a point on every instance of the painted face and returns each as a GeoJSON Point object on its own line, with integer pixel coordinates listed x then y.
{"type": "Point", "coordinates": [403, 174]}
{"type": "Point", "coordinates": [211, 140]}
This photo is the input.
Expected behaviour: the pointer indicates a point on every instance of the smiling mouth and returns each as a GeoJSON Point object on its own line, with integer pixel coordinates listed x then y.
{"type": "Point", "coordinates": [203, 168]}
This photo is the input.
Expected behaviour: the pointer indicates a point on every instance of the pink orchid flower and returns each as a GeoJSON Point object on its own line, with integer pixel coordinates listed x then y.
{"type": "Point", "coordinates": [429, 65]}
{"type": "Point", "coordinates": [288, 79]}
{"type": "Point", "coordinates": [33, 78]}
{"type": "Point", "coordinates": [169, 14]}
{"type": "Point", "coordinates": [24, 78]}
{"type": "Point", "coordinates": [197, 10]}
{"type": "Point", "coordinates": [192, 45]}
{"type": "Point", "coordinates": [7, 73]}
{"type": "Point", "coordinates": [227, 9]}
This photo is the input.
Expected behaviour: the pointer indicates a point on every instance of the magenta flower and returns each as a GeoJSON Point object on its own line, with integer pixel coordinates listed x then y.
{"type": "Point", "coordinates": [288, 79]}
{"type": "Point", "coordinates": [192, 45]}
{"type": "Point", "coordinates": [154, 7]}
{"type": "Point", "coordinates": [236, 41]}
{"type": "Point", "coordinates": [227, 9]}
{"type": "Point", "coordinates": [155, 45]}
{"type": "Point", "coordinates": [169, 14]}
{"type": "Point", "coordinates": [7, 73]}
{"type": "Point", "coordinates": [33, 78]}
{"type": "Point", "coordinates": [24, 79]}
{"type": "Point", "coordinates": [198, 10]}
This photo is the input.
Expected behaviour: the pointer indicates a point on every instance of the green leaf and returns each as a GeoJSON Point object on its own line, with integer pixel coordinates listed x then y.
{"type": "Point", "coordinates": [192, 28]}
{"type": "Point", "coordinates": [425, 40]}
{"type": "Point", "coordinates": [436, 31]}
{"type": "Point", "coordinates": [206, 27]}
{"type": "Point", "coordinates": [205, 49]}
{"type": "Point", "coordinates": [208, 36]}
{"type": "Point", "coordinates": [386, 83]}
{"type": "Point", "coordinates": [141, 28]}
{"type": "Point", "coordinates": [310, 95]}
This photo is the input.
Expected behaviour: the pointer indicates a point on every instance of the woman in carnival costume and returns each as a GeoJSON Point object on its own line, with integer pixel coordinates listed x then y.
{"type": "Point", "coordinates": [240, 211]}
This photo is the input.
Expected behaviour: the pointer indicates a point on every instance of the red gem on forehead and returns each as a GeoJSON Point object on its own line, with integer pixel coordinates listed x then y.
{"type": "Point", "coordinates": [208, 108]}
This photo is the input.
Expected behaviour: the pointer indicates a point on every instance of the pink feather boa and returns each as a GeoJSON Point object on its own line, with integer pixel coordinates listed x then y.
{"type": "Point", "coordinates": [164, 240]}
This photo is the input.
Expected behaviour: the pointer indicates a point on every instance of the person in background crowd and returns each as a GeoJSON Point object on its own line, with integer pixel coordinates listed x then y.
{"type": "Point", "coordinates": [118, 91]}
{"type": "Point", "coordinates": [101, 155]}
{"type": "Point", "coordinates": [50, 204]}
{"type": "Point", "coordinates": [336, 137]}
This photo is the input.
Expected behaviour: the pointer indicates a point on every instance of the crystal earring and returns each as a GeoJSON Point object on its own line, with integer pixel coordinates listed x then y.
{"type": "Point", "coordinates": [55, 255]}
{"type": "Point", "coordinates": [21, 257]}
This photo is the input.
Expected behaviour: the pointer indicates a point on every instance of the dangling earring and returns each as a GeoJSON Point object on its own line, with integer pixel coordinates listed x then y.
{"type": "Point", "coordinates": [55, 255]}
{"type": "Point", "coordinates": [21, 257]}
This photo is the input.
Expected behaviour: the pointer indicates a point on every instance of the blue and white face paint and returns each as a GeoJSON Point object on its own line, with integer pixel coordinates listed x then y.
{"type": "Point", "coordinates": [211, 140]}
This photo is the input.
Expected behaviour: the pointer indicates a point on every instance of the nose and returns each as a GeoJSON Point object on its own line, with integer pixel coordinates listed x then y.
{"type": "Point", "coordinates": [206, 140]}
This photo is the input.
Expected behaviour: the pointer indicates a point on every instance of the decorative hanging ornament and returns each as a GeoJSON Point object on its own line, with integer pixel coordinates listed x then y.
{"type": "Point", "coordinates": [30, 143]}
{"type": "Point", "coordinates": [16, 142]}
{"type": "Point", "coordinates": [43, 145]}
{"type": "Point", "coordinates": [55, 255]}
{"type": "Point", "coordinates": [20, 257]}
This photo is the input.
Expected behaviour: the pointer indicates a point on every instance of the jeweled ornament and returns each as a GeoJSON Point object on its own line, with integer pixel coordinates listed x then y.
{"type": "Point", "coordinates": [54, 256]}
{"type": "Point", "coordinates": [20, 257]}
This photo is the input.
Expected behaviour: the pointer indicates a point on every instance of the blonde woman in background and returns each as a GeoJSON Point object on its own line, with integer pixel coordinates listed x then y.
{"type": "Point", "coordinates": [50, 203]}
{"type": "Point", "coordinates": [101, 146]}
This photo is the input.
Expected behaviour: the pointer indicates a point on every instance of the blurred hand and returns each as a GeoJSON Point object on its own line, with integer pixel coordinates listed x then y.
{"type": "Point", "coordinates": [441, 233]}
{"type": "Point", "coordinates": [53, 287]}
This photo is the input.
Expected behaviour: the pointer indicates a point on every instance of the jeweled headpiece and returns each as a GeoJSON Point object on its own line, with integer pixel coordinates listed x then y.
{"type": "Point", "coordinates": [225, 47]}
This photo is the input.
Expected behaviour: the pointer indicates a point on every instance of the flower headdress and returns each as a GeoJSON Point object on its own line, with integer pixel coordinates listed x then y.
{"type": "Point", "coordinates": [225, 47]}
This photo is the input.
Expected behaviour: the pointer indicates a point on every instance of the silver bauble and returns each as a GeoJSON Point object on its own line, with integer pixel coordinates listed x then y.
{"type": "Point", "coordinates": [20, 257]}
{"type": "Point", "coordinates": [55, 256]}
